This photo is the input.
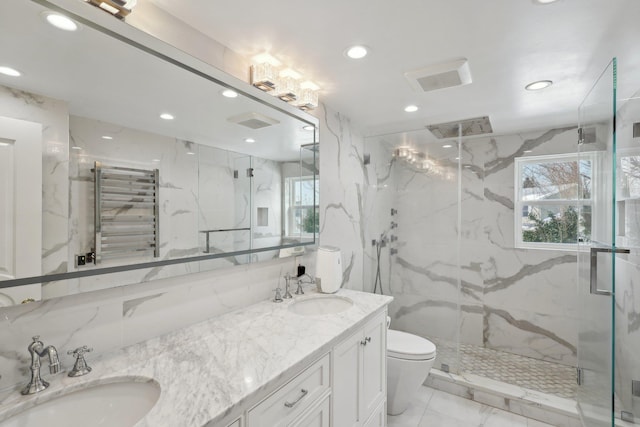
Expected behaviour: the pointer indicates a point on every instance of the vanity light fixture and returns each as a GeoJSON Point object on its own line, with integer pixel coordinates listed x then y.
{"type": "Point", "coordinates": [308, 98]}
{"type": "Point", "coordinates": [264, 72]}
{"type": "Point", "coordinates": [107, 137]}
{"type": "Point", "coordinates": [166, 116]}
{"type": "Point", "coordinates": [411, 108]}
{"type": "Point", "coordinates": [249, 140]}
{"type": "Point", "coordinates": [357, 52]}
{"type": "Point", "coordinates": [288, 86]}
{"type": "Point", "coordinates": [228, 93]}
{"type": "Point", "coordinates": [118, 8]}
{"type": "Point", "coordinates": [447, 146]}
{"type": "Point", "coordinates": [539, 85]}
{"type": "Point", "coordinates": [4, 144]}
{"type": "Point", "coordinates": [308, 127]}
{"type": "Point", "coordinates": [61, 22]}
{"type": "Point", "coordinates": [8, 71]}
{"type": "Point", "coordinates": [527, 151]}
{"type": "Point", "coordinates": [191, 153]}
{"type": "Point", "coordinates": [75, 147]}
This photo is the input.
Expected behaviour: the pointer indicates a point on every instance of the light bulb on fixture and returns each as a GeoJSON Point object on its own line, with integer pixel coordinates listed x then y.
{"type": "Point", "coordinates": [118, 8]}
{"type": "Point", "coordinates": [264, 72]}
{"type": "Point", "coordinates": [288, 87]}
{"type": "Point", "coordinates": [308, 99]}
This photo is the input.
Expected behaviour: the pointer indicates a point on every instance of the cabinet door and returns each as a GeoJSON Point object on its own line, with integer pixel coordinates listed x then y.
{"type": "Point", "coordinates": [346, 381]}
{"type": "Point", "coordinates": [318, 416]}
{"type": "Point", "coordinates": [379, 417]}
{"type": "Point", "coordinates": [236, 423]}
{"type": "Point", "coordinates": [374, 364]}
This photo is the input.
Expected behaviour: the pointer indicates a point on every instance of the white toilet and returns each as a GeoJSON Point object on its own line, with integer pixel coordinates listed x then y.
{"type": "Point", "coordinates": [409, 360]}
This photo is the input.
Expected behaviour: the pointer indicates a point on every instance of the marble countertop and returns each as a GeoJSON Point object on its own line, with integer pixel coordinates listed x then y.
{"type": "Point", "coordinates": [208, 370]}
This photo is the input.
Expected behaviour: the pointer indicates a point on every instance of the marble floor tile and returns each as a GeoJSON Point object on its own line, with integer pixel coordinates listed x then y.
{"type": "Point", "coordinates": [435, 408]}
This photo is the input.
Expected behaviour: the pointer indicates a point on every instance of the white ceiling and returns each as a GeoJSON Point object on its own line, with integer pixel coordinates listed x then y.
{"type": "Point", "coordinates": [508, 44]}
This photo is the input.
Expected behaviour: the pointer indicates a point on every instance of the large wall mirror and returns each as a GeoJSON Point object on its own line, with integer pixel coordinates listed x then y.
{"type": "Point", "coordinates": [121, 165]}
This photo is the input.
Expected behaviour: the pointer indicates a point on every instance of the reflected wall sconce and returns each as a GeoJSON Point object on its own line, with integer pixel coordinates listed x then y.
{"type": "Point", "coordinates": [118, 8]}
{"type": "Point", "coordinates": [287, 84]}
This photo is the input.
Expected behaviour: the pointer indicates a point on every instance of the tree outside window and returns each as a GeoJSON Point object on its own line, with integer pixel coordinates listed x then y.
{"type": "Point", "coordinates": [553, 201]}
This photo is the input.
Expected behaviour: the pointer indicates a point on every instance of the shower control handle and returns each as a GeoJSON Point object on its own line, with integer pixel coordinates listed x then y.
{"type": "Point", "coordinates": [593, 280]}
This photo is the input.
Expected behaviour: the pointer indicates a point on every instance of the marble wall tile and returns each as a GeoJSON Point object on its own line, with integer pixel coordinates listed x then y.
{"type": "Point", "coordinates": [341, 192]}
{"type": "Point", "coordinates": [518, 300]}
{"type": "Point", "coordinates": [53, 116]}
{"type": "Point", "coordinates": [66, 323]}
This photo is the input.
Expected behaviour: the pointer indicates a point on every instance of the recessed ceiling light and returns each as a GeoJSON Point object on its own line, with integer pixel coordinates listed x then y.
{"type": "Point", "coordinates": [166, 116]}
{"type": "Point", "coordinates": [107, 137]}
{"type": "Point", "coordinates": [411, 108]}
{"type": "Point", "coordinates": [8, 71]}
{"type": "Point", "coordinates": [60, 21]}
{"type": "Point", "coordinates": [540, 84]}
{"type": "Point", "coordinates": [249, 140]}
{"type": "Point", "coordinates": [357, 52]}
{"type": "Point", "coordinates": [447, 146]}
{"type": "Point", "coordinates": [308, 127]}
{"type": "Point", "coordinates": [228, 93]}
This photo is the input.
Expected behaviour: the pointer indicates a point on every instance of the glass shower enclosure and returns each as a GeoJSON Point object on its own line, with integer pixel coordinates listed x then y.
{"type": "Point", "coordinates": [608, 262]}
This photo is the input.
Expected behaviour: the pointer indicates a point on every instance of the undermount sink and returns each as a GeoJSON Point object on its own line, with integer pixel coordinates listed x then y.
{"type": "Point", "coordinates": [320, 304]}
{"type": "Point", "coordinates": [117, 404]}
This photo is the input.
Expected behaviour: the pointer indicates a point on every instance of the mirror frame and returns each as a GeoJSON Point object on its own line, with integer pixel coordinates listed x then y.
{"type": "Point", "coordinates": [171, 55]}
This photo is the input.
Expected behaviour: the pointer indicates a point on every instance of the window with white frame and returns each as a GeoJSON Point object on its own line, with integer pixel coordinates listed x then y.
{"type": "Point", "coordinates": [553, 200]}
{"type": "Point", "coordinates": [301, 201]}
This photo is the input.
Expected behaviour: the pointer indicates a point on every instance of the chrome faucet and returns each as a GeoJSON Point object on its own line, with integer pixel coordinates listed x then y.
{"type": "Point", "coordinates": [287, 282]}
{"type": "Point", "coordinates": [299, 290]}
{"type": "Point", "coordinates": [38, 350]}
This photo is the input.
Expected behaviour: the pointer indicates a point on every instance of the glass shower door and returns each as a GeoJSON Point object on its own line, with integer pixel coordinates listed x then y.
{"type": "Point", "coordinates": [596, 255]}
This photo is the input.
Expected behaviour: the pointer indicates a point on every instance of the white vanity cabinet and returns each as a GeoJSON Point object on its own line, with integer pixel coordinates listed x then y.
{"type": "Point", "coordinates": [289, 404]}
{"type": "Point", "coordinates": [359, 375]}
{"type": "Point", "coordinates": [346, 387]}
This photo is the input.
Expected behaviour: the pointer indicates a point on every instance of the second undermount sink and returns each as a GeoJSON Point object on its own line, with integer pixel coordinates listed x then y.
{"type": "Point", "coordinates": [320, 304]}
{"type": "Point", "coordinates": [117, 404]}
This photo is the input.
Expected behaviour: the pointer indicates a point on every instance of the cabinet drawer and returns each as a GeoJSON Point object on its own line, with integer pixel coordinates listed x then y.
{"type": "Point", "coordinates": [318, 416]}
{"type": "Point", "coordinates": [293, 398]}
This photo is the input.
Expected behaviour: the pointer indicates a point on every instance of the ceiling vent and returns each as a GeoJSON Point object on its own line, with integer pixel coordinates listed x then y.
{"type": "Point", "coordinates": [470, 127]}
{"type": "Point", "coordinates": [253, 120]}
{"type": "Point", "coordinates": [440, 76]}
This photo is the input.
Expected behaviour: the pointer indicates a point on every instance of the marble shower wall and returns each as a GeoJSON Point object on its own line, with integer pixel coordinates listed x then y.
{"type": "Point", "coordinates": [517, 300]}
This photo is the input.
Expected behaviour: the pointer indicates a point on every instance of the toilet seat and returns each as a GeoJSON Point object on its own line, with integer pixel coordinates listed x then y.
{"type": "Point", "coordinates": [402, 345]}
